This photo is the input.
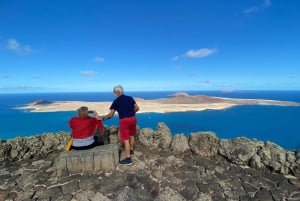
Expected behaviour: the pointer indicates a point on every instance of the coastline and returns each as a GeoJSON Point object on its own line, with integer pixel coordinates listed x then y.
{"type": "Point", "coordinates": [177, 103]}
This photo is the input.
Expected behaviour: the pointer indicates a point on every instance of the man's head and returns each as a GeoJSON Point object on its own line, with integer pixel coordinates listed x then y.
{"type": "Point", "coordinates": [83, 111]}
{"type": "Point", "coordinates": [118, 90]}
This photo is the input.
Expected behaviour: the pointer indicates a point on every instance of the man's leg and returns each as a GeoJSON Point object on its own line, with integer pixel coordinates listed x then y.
{"type": "Point", "coordinates": [127, 160]}
{"type": "Point", "coordinates": [125, 137]}
{"type": "Point", "coordinates": [127, 148]}
{"type": "Point", "coordinates": [132, 133]}
{"type": "Point", "coordinates": [131, 142]}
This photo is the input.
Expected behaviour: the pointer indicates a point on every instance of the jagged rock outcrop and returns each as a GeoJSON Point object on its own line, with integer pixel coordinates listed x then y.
{"type": "Point", "coordinates": [196, 167]}
{"type": "Point", "coordinates": [29, 147]}
{"type": "Point", "coordinates": [159, 139]}
{"type": "Point", "coordinates": [204, 143]}
{"type": "Point", "coordinates": [180, 144]}
{"type": "Point", "coordinates": [240, 150]}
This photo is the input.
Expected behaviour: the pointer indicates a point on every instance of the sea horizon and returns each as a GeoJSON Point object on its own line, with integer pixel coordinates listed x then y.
{"type": "Point", "coordinates": [253, 121]}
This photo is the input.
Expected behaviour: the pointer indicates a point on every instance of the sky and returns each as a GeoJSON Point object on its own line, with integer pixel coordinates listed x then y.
{"type": "Point", "coordinates": [167, 45]}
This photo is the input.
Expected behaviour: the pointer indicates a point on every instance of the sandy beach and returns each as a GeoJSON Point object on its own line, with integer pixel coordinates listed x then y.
{"type": "Point", "coordinates": [180, 103]}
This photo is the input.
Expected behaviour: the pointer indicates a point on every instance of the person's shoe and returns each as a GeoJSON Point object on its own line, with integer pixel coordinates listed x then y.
{"type": "Point", "coordinates": [131, 153]}
{"type": "Point", "coordinates": [126, 161]}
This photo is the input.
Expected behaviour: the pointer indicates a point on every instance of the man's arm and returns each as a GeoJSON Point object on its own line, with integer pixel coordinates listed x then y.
{"type": "Point", "coordinates": [136, 107]}
{"type": "Point", "coordinates": [109, 115]}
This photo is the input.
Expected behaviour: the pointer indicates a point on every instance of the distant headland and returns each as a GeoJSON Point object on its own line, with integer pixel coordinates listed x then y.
{"type": "Point", "coordinates": [178, 102]}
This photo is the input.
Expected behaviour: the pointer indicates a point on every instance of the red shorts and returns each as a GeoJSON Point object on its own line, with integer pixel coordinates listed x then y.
{"type": "Point", "coordinates": [127, 128]}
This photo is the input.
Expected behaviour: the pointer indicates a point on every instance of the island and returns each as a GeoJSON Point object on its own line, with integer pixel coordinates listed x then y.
{"type": "Point", "coordinates": [178, 102]}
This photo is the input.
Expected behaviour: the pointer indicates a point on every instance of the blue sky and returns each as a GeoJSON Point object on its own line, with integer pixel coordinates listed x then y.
{"type": "Point", "coordinates": [93, 45]}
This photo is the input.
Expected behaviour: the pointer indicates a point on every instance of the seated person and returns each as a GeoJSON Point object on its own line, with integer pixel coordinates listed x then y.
{"type": "Point", "coordinates": [83, 129]}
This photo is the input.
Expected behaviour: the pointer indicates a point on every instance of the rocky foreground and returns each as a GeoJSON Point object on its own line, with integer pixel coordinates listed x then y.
{"type": "Point", "coordinates": [197, 167]}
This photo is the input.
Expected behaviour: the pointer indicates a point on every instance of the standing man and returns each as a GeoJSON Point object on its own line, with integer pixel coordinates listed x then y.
{"type": "Point", "coordinates": [126, 108]}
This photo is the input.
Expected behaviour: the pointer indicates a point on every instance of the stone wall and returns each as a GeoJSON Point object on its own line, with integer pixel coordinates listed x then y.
{"type": "Point", "coordinates": [100, 158]}
{"type": "Point", "coordinates": [241, 151]}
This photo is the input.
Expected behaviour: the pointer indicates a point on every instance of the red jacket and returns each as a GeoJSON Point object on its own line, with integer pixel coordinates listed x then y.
{"type": "Point", "coordinates": [83, 127]}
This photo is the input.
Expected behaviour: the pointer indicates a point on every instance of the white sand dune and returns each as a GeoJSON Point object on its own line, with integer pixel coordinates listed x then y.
{"type": "Point", "coordinates": [179, 103]}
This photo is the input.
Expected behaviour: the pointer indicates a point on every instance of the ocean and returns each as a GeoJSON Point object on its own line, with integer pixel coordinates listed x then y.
{"type": "Point", "coordinates": [278, 124]}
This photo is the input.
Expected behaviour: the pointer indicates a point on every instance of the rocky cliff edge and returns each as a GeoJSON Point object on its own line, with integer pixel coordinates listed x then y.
{"type": "Point", "coordinates": [195, 167]}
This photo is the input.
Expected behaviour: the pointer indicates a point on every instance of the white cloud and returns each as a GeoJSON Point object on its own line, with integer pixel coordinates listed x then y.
{"type": "Point", "coordinates": [193, 74]}
{"type": "Point", "coordinates": [19, 88]}
{"type": "Point", "coordinates": [204, 52]}
{"type": "Point", "coordinates": [200, 53]}
{"type": "Point", "coordinates": [175, 58]}
{"type": "Point", "coordinates": [267, 3]}
{"type": "Point", "coordinates": [251, 10]}
{"type": "Point", "coordinates": [99, 59]}
{"type": "Point", "coordinates": [13, 45]}
{"type": "Point", "coordinates": [88, 73]}
{"type": "Point", "coordinates": [206, 81]}
{"type": "Point", "coordinates": [264, 4]}
{"type": "Point", "coordinates": [4, 77]}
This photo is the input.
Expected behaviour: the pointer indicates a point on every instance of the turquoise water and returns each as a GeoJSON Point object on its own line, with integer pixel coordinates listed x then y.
{"type": "Point", "coordinates": [273, 123]}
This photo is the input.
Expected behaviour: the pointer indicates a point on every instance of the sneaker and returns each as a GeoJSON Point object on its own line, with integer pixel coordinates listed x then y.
{"type": "Point", "coordinates": [126, 161]}
{"type": "Point", "coordinates": [131, 153]}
